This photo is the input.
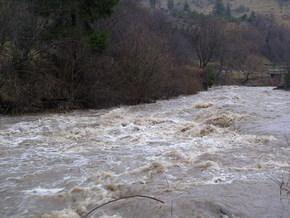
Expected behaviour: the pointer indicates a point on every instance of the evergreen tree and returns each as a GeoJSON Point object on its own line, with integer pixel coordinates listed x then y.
{"type": "Point", "coordinates": [186, 6]}
{"type": "Point", "coordinates": [170, 4]}
{"type": "Point", "coordinates": [219, 8]}
{"type": "Point", "coordinates": [153, 3]}
{"type": "Point", "coordinates": [228, 11]}
{"type": "Point", "coordinates": [74, 19]}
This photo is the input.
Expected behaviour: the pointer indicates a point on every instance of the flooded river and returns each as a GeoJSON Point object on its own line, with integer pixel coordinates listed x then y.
{"type": "Point", "coordinates": [222, 153]}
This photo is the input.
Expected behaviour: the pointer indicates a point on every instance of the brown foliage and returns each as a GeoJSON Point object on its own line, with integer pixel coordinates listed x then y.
{"type": "Point", "coordinates": [139, 65]}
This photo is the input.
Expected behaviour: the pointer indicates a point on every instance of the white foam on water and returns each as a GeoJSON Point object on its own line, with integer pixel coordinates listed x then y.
{"type": "Point", "coordinates": [44, 191]}
{"type": "Point", "coordinates": [218, 137]}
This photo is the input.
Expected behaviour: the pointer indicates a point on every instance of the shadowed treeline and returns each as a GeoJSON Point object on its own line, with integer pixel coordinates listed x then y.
{"type": "Point", "coordinates": [59, 55]}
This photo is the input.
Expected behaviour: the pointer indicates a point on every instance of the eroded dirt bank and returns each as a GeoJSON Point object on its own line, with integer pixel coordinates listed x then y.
{"type": "Point", "coordinates": [219, 153]}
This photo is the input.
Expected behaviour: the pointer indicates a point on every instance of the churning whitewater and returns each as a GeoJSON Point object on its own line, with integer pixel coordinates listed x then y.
{"type": "Point", "coordinates": [222, 153]}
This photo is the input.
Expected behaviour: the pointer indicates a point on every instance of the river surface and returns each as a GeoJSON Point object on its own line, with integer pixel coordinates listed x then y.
{"type": "Point", "coordinates": [222, 153]}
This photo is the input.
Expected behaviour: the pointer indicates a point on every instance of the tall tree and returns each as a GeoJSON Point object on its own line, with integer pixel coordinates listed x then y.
{"type": "Point", "coordinates": [186, 6]}
{"type": "Point", "coordinates": [73, 19]}
{"type": "Point", "coordinates": [153, 3]}
{"type": "Point", "coordinates": [207, 40]}
{"type": "Point", "coordinates": [70, 29]}
{"type": "Point", "coordinates": [219, 8]}
{"type": "Point", "coordinates": [228, 12]}
{"type": "Point", "coordinates": [170, 4]}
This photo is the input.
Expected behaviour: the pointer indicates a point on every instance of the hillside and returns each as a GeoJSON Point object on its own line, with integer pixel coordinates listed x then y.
{"type": "Point", "coordinates": [53, 58]}
{"type": "Point", "coordinates": [280, 9]}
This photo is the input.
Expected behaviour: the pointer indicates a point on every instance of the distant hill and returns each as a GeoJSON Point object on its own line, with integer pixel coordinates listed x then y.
{"type": "Point", "coordinates": [280, 9]}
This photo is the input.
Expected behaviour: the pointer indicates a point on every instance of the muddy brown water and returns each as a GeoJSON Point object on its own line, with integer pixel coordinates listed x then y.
{"type": "Point", "coordinates": [222, 153]}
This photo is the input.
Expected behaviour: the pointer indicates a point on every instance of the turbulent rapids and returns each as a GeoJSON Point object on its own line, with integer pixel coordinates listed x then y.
{"type": "Point", "coordinates": [222, 153]}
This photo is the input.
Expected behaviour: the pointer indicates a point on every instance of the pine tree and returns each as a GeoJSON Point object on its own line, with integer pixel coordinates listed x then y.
{"type": "Point", "coordinates": [219, 8]}
{"type": "Point", "coordinates": [186, 6]}
{"type": "Point", "coordinates": [74, 19]}
{"type": "Point", "coordinates": [153, 3]}
{"type": "Point", "coordinates": [228, 11]}
{"type": "Point", "coordinates": [170, 4]}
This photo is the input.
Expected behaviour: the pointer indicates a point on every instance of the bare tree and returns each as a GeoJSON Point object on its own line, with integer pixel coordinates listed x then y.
{"type": "Point", "coordinates": [208, 34]}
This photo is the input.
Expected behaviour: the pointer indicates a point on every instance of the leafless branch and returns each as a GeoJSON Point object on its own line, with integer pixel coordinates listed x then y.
{"type": "Point", "coordinates": [122, 198]}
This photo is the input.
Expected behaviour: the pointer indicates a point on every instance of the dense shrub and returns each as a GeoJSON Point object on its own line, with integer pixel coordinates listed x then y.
{"type": "Point", "coordinates": [287, 80]}
{"type": "Point", "coordinates": [51, 61]}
